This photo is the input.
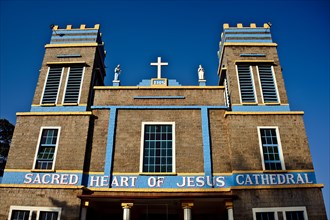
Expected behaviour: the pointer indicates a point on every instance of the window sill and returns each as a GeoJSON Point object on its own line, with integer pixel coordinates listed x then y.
{"type": "Point", "coordinates": [158, 174]}
{"type": "Point", "coordinates": [47, 105]}
{"type": "Point", "coordinates": [70, 104]}
{"type": "Point", "coordinates": [275, 171]}
{"type": "Point", "coordinates": [42, 171]}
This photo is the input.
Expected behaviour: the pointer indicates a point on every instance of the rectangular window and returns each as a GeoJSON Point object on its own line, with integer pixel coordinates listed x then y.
{"type": "Point", "coordinates": [265, 216]}
{"type": "Point", "coordinates": [268, 84]}
{"type": "Point", "coordinates": [34, 213]}
{"type": "Point", "coordinates": [246, 84]}
{"type": "Point", "coordinates": [20, 215]}
{"type": "Point", "coordinates": [47, 149]}
{"type": "Point", "coordinates": [73, 85]}
{"type": "Point", "coordinates": [52, 85]}
{"type": "Point", "coordinates": [272, 213]}
{"type": "Point", "coordinates": [270, 149]}
{"type": "Point", "coordinates": [157, 148]}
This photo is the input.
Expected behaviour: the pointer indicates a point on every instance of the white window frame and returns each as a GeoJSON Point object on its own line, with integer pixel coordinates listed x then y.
{"type": "Point", "coordinates": [275, 84]}
{"type": "Point", "coordinates": [38, 145]}
{"type": "Point", "coordinates": [58, 89]}
{"type": "Point", "coordinates": [276, 210]}
{"type": "Point", "coordinates": [36, 209]}
{"type": "Point", "coordinates": [142, 145]}
{"type": "Point", "coordinates": [280, 151]}
{"type": "Point", "coordinates": [66, 84]}
{"type": "Point", "coordinates": [253, 85]}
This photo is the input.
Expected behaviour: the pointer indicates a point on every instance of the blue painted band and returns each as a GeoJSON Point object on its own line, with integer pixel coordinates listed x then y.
{"type": "Point", "coordinates": [159, 97]}
{"type": "Point", "coordinates": [206, 142]}
{"type": "Point", "coordinates": [160, 107]}
{"type": "Point", "coordinates": [110, 141]}
{"type": "Point", "coordinates": [251, 40]}
{"type": "Point", "coordinates": [252, 55]}
{"type": "Point", "coordinates": [74, 31]}
{"type": "Point", "coordinates": [70, 42]}
{"type": "Point", "coordinates": [248, 35]}
{"type": "Point", "coordinates": [258, 108]}
{"type": "Point", "coordinates": [68, 55]}
{"type": "Point", "coordinates": [58, 109]}
{"type": "Point", "coordinates": [74, 37]}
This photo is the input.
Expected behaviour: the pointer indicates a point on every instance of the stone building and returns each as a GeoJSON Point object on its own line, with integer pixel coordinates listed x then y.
{"type": "Point", "coordinates": [160, 150]}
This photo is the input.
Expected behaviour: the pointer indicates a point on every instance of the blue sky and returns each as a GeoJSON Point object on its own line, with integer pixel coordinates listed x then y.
{"type": "Point", "coordinates": [185, 34]}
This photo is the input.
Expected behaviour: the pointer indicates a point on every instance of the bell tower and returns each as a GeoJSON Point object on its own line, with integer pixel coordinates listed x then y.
{"type": "Point", "coordinates": [250, 70]}
{"type": "Point", "coordinates": [73, 63]}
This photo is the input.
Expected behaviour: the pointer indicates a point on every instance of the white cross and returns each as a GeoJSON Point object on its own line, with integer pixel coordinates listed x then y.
{"type": "Point", "coordinates": [159, 65]}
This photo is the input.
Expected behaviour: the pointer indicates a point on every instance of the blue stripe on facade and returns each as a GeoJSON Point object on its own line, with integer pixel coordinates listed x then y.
{"type": "Point", "coordinates": [248, 35]}
{"type": "Point", "coordinates": [251, 40]}
{"type": "Point", "coordinates": [110, 142]}
{"type": "Point", "coordinates": [68, 41]}
{"type": "Point", "coordinates": [74, 31]}
{"type": "Point", "coordinates": [73, 37]}
{"type": "Point", "coordinates": [58, 109]}
{"type": "Point", "coordinates": [160, 107]}
{"type": "Point", "coordinates": [206, 142]}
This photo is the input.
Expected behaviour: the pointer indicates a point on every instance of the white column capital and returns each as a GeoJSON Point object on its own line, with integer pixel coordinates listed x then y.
{"type": "Point", "coordinates": [127, 205]}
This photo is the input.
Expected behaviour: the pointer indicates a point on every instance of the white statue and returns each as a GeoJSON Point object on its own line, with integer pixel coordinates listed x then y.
{"type": "Point", "coordinates": [200, 73]}
{"type": "Point", "coordinates": [117, 72]}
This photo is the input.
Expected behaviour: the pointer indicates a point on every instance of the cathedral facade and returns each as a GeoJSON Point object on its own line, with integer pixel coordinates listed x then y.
{"type": "Point", "coordinates": [160, 150]}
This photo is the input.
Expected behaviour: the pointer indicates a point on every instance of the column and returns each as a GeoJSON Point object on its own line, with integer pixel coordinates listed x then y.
{"type": "Point", "coordinates": [126, 210]}
{"type": "Point", "coordinates": [186, 206]}
{"type": "Point", "coordinates": [83, 213]}
{"type": "Point", "coordinates": [229, 207]}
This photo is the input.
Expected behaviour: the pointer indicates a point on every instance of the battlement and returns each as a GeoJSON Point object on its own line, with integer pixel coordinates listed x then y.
{"type": "Point", "coordinates": [70, 35]}
{"type": "Point", "coordinates": [240, 25]}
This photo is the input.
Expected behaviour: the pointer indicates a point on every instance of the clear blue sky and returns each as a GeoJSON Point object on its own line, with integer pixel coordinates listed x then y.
{"type": "Point", "coordinates": [185, 34]}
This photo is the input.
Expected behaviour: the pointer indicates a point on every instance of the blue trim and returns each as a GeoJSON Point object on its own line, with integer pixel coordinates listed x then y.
{"type": "Point", "coordinates": [258, 108]}
{"type": "Point", "coordinates": [58, 108]}
{"type": "Point", "coordinates": [160, 107]}
{"type": "Point", "coordinates": [159, 97]}
{"type": "Point", "coordinates": [73, 31]}
{"type": "Point", "coordinates": [252, 55]}
{"type": "Point", "coordinates": [67, 42]}
{"type": "Point", "coordinates": [252, 40]}
{"type": "Point", "coordinates": [206, 142]}
{"type": "Point", "coordinates": [248, 35]}
{"type": "Point", "coordinates": [110, 141]}
{"type": "Point", "coordinates": [74, 37]}
{"type": "Point", "coordinates": [68, 55]}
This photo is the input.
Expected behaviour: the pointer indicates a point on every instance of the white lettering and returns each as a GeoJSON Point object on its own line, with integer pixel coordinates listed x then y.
{"type": "Point", "coordinates": [307, 180]}
{"type": "Point", "coordinates": [64, 179]}
{"type": "Point", "coordinates": [73, 179]}
{"type": "Point", "coordinates": [220, 180]}
{"type": "Point", "coordinates": [104, 181]}
{"type": "Point", "coordinates": [289, 178]}
{"type": "Point", "coordinates": [160, 181]}
{"type": "Point", "coordinates": [238, 179]}
{"type": "Point", "coordinates": [152, 181]}
{"type": "Point", "coordinates": [265, 179]}
{"type": "Point", "coordinates": [200, 181]}
{"type": "Point", "coordinates": [248, 180]}
{"type": "Point", "coordinates": [280, 179]}
{"type": "Point", "coordinates": [115, 182]}
{"type": "Point", "coordinates": [256, 178]}
{"type": "Point", "coordinates": [300, 179]}
{"type": "Point", "coordinates": [37, 179]}
{"type": "Point", "coordinates": [183, 182]}
{"type": "Point", "coordinates": [28, 178]}
{"type": "Point", "coordinates": [190, 181]}
{"type": "Point", "coordinates": [43, 179]}
{"type": "Point", "coordinates": [133, 181]}
{"type": "Point", "coordinates": [94, 180]}
{"type": "Point", "coordinates": [124, 181]}
{"type": "Point", "coordinates": [272, 179]}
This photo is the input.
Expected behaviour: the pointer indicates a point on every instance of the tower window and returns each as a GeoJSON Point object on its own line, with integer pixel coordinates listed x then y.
{"type": "Point", "coordinates": [52, 85]}
{"type": "Point", "coordinates": [47, 149]}
{"type": "Point", "coordinates": [270, 149]}
{"type": "Point", "coordinates": [268, 84]}
{"type": "Point", "coordinates": [158, 148]}
{"type": "Point", "coordinates": [246, 87]}
{"type": "Point", "coordinates": [73, 85]}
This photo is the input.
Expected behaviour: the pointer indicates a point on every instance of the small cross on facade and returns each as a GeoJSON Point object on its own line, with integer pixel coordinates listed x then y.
{"type": "Point", "coordinates": [159, 65]}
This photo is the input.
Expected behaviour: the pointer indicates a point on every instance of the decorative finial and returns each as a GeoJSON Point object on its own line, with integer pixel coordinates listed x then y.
{"type": "Point", "coordinates": [200, 72]}
{"type": "Point", "coordinates": [117, 72]}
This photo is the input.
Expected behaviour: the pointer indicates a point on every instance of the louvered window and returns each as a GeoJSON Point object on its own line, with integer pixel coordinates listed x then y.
{"type": "Point", "coordinates": [52, 85]}
{"type": "Point", "coordinates": [246, 83]}
{"type": "Point", "coordinates": [267, 84]}
{"type": "Point", "coordinates": [72, 91]}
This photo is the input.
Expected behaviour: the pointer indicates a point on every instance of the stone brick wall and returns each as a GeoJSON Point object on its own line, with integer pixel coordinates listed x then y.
{"type": "Point", "coordinates": [188, 137]}
{"type": "Point", "coordinates": [72, 141]}
{"type": "Point", "coordinates": [232, 54]}
{"type": "Point", "coordinates": [87, 55]}
{"type": "Point", "coordinates": [244, 142]}
{"type": "Point", "coordinates": [311, 198]}
{"type": "Point", "coordinates": [61, 198]}
{"type": "Point", "coordinates": [125, 96]}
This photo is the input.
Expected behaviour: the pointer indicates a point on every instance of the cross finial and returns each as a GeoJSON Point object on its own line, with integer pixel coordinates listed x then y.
{"type": "Point", "coordinates": [159, 65]}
